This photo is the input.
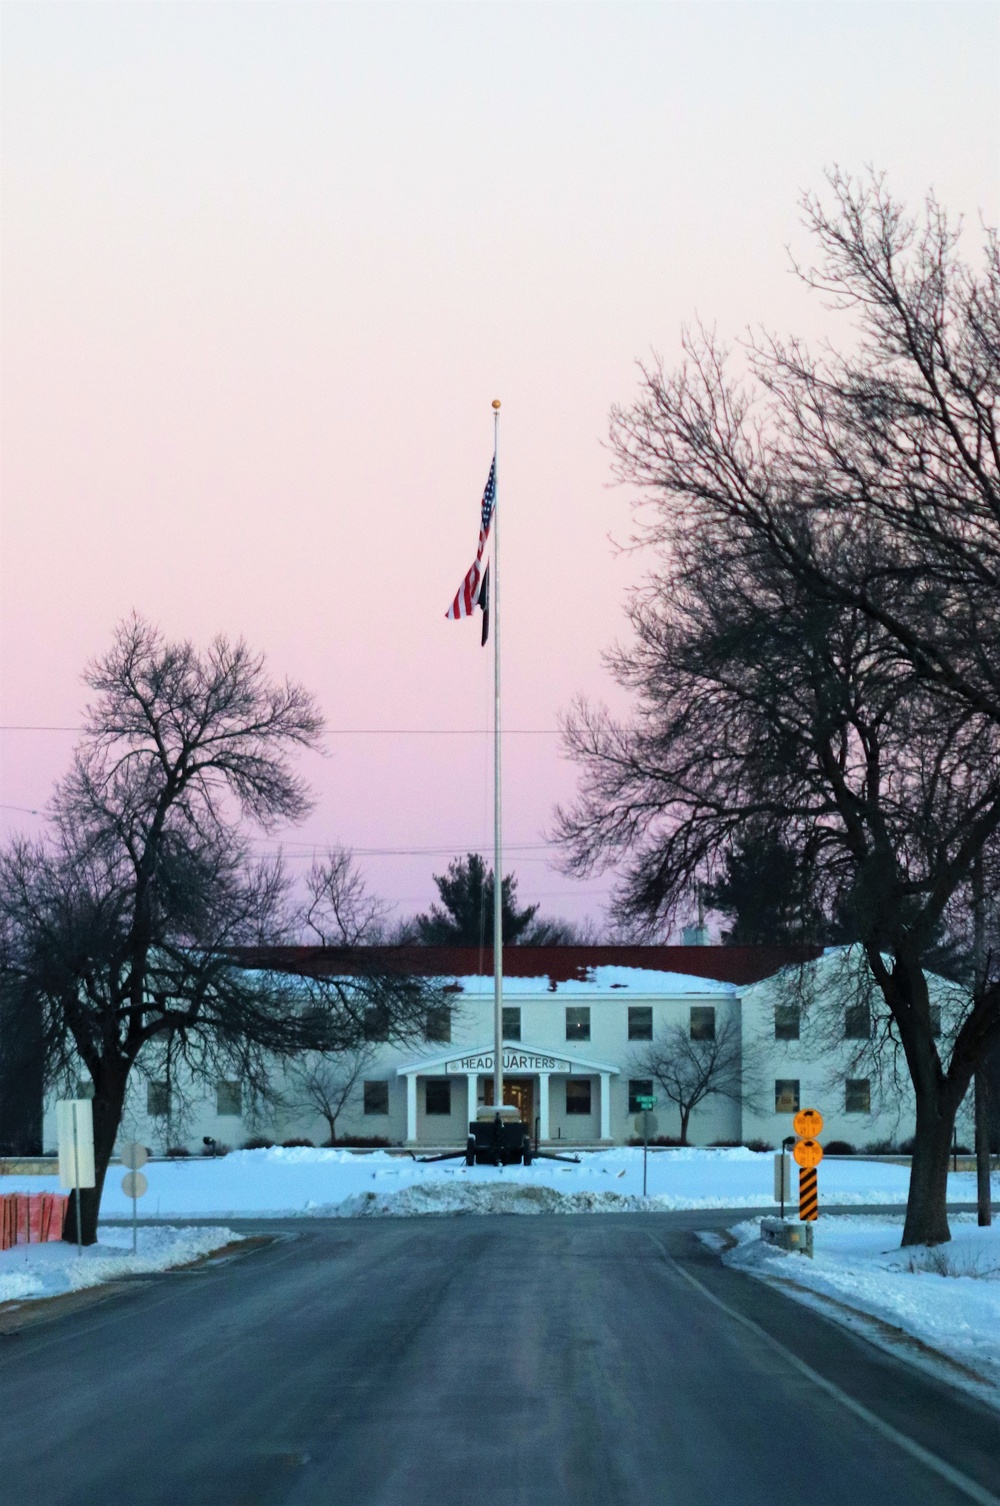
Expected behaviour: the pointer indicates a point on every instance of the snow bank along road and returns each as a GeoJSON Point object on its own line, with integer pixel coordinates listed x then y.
{"type": "Point", "coordinates": [302, 1180]}
{"type": "Point", "coordinates": [545, 1361]}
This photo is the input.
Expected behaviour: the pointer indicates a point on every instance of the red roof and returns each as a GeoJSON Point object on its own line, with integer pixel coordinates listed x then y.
{"type": "Point", "coordinates": [726, 964]}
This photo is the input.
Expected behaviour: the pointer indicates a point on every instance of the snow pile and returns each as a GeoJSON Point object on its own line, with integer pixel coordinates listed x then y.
{"type": "Point", "coordinates": [288, 1182]}
{"type": "Point", "coordinates": [30, 1271]}
{"type": "Point", "coordinates": [477, 1197]}
{"type": "Point", "coordinates": [947, 1296]}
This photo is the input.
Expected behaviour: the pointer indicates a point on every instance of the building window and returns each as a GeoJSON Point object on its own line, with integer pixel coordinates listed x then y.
{"type": "Point", "coordinates": [578, 1094]}
{"type": "Point", "coordinates": [376, 1095]}
{"type": "Point", "coordinates": [438, 1100]}
{"type": "Point", "coordinates": [857, 1022]}
{"type": "Point", "coordinates": [229, 1098]}
{"type": "Point", "coordinates": [375, 1023]}
{"type": "Point", "coordinates": [858, 1096]}
{"type": "Point", "coordinates": [578, 1029]}
{"type": "Point", "coordinates": [786, 1095]}
{"type": "Point", "coordinates": [787, 1020]}
{"type": "Point", "coordinates": [936, 1021]}
{"type": "Point", "coordinates": [703, 1022]}
{"type": "Point", "coordinates": [638, 1087]}
{"type": "Point", "coordinates": [437, 1026]}
{"type": "Point", "coordinates": [512, 1022]}
{"type": "Point", "coordinates": [85, 1087]}
{"type": "Point", "coordinates": [157, 1099]}
{"type": "Point", "coordinates": [640, 1022]}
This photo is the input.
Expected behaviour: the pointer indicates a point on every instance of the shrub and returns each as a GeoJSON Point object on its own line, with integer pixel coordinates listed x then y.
{"type": "Point", "coordinates": [298, 1140]}
{"type": "Point", "coordinates": [175, 1152]}
{"type": "Point", "coordinates": [759, 1145]}
{"type": "Point", "coordinates": [215, 1148]}
{"type": "Point", "coordinates": [882, 1148]}
{"type": "Point", "coordinates": [727, 1144]}
{"type": "Point", "coordinates": [257, 1142]}
{"type": "Point", "coordinates": [669, 1140]}
{"type": "Point", "coordinates": [839, 1148]}
{"type": "Point", "coordinates": [359, 1142]}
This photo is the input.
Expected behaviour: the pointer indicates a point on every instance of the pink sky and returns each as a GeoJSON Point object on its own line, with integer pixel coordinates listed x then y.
{"type": "Point", "coordinates": [264, 269]}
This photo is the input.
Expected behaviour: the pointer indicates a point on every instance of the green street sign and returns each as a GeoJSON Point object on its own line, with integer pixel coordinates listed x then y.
{"type": "Point", "coordinates": [646, 1103]}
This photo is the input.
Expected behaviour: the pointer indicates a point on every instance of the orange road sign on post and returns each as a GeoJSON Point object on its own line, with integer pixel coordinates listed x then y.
{"type": "Point", "coordinates": [807, 1123]}
{"type": "Point", "coordinates": [808, 1195]}
{"type": "Point", "coordinates": [808, 1153]}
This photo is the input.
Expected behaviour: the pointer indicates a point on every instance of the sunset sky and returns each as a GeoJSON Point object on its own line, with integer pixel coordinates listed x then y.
{"type": "Point", "coordinates": [264, 268]}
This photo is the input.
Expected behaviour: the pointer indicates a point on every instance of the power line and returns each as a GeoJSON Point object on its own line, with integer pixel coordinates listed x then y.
{"type": "Point", "coordinates": [351, 731]}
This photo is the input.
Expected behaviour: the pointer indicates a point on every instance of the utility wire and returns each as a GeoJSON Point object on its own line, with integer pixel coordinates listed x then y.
{"type": "Point", "coordinates": [353, 731]}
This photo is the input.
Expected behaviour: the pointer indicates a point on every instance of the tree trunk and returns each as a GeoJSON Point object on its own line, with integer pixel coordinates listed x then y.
{"type": "Point", "coordinates": [983, 1148]}
{"type": "Point", "coordinates": [108, 1102]}
{"type": "Point", "coordinates": [685, 1117]}
{"type": "Point", "coordinates": [927, 1203]}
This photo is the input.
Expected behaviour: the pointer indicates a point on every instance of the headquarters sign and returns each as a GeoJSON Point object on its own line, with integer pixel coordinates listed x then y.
{"type": "Point", "coordinates": [513, 1061]}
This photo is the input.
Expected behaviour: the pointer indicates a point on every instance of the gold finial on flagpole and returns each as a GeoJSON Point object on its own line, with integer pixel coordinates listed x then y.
{"type": "Point", "coordinates": [496, 402]}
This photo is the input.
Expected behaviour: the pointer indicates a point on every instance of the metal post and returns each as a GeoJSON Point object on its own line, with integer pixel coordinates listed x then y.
{"type": "Point", "coordinates": [134, 1234]}
{"type": "Point", "coordinates": [645, 1147]}
{"type": "Point", "coordinates": [76, 1182]}
{"type": "Point", "coordinates": [981, 1079]}
{"type": "Point", "coordinates": [497, 845]}
{"type": "Point", "coordinates": [982, 1144]}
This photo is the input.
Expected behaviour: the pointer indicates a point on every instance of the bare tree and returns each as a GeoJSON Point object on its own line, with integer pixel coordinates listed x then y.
{"type": "Point", "coordinates": [125, 931]}
{"type": "Point", "coordinates": [324, 1083]}
{"type": "Point", "coordinates": [817, 647]}
{"type": "Point", "coordinates": [690, 1069]}
{"type": "Point", "coordinates": [339, 909]}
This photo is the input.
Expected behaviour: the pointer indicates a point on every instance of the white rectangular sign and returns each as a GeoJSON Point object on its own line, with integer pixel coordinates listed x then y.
{"type": "Point", "coordinates": [75, 1128]}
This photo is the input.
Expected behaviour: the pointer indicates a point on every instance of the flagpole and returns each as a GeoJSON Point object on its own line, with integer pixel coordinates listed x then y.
{"type": "Point", "coordinates": [497, 846]}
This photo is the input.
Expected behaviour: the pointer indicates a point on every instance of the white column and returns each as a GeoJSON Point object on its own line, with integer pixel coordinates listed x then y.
{"type": "Point", "coordinates": [605, 1105]}
{"type": "Point", "coordinates": [472, 1078]}
{"type": "Point", "coordinates": [411, 1108]}
{"type": "Point", "coordinates": [543, 1105]}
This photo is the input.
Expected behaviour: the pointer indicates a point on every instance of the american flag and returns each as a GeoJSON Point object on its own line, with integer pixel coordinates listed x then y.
{"type": "Point", "coordinates": [467, 596]}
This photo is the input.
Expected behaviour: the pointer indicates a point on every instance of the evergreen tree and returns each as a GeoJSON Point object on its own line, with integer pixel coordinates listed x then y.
{"type": "Point", "coordinates": [465, 915]}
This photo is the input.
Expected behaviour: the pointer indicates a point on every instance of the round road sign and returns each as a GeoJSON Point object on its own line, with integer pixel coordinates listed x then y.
{"type": "Point", "coordinates": [134, 1155]}
{"type": "Point", "coordinates": [808, 1123]}
{"type": "Point", "coordinates": [808, 1153]}
{"type": "Point", "coordinates": [646, 1124]}
{"type": "Point", "coordinates": [134, 1184]}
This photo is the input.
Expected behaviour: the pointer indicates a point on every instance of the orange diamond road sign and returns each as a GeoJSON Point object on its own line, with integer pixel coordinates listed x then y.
{"type": "Point", "coordinates": [808, 1153]}
{"type": "Point", "coordinates": [808, 1123]}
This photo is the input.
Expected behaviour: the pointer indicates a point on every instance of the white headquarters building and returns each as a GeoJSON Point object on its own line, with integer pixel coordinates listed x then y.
{"type": "Point", "coordinates": [577, 1023]}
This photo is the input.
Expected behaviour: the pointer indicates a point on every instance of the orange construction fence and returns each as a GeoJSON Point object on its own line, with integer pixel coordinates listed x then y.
{"type": "Point", "coordinates": [31, 1218]}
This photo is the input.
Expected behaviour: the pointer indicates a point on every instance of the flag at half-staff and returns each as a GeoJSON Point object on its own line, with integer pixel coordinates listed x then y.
{"type": "Point", "coordinates": [474, 590]}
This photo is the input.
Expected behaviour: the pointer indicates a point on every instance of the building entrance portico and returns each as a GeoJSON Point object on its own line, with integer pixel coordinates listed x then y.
{"type": "Point", "coordinates": [528, 1075]}
{"type": "Point", "coordinates": [518, 1091]}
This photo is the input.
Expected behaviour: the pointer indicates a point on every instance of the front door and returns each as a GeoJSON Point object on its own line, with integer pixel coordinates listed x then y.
{"type": "Point", "coordinates": [519, 1091]}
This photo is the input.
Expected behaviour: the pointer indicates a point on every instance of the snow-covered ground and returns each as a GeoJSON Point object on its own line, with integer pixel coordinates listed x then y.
{"type": "Point", "coordinates": [946, 1297]}
{"type": "Point", "coordinates": [48, 1270]}
{"type": "Point", "coordinates": [282, 1183]}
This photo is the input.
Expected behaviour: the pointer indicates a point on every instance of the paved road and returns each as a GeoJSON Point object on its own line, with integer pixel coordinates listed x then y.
{"type": "Point", "coordinates": [549, 1361]}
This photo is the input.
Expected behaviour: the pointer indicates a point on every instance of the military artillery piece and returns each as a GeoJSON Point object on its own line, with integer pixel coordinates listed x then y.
{"type": "Point", "coordinates": [498, 1138]}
